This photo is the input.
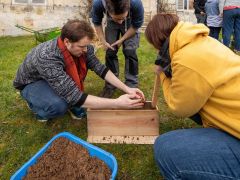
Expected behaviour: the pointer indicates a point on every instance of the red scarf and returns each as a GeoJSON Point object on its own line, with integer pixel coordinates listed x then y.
{"type": "Point", "coordinates": [77, 69]}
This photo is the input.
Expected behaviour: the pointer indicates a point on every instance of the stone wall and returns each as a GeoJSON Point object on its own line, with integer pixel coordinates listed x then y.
{"type": "Point", "coordinates": [166, 6]}
{"type": "Point", "coordinates": [187, 15]}
{"type": "Point", "coordinates": [56, 12]}
{"type": "Point", "coordinates": [170, 6]}
{"type": "Point", "coordinates": [53, 14]}
{"type": "Point", "coordinates": [150, 6]}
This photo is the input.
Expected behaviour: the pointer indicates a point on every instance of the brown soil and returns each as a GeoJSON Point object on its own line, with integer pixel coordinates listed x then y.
{"type": "Point", "coordinates": [65, 159]}
{"type": "Point", "coordinates": [148, 106]}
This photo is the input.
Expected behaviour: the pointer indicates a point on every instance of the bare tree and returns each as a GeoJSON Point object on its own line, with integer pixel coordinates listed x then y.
{"type": "Point", "coordinates": [86, 6]}
{"type": "Point", "coordinates": [85, 13]}
{"type": "Point", "coordinates": [163, 6]}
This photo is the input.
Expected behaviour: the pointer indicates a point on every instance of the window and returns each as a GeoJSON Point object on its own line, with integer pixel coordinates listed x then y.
{"type": "Point", "coordinates": [21, 1]}
{"type": "Point", "coordinates": [31, 2]}
{"type": "Point", "coordinates": [184, 5]}
{"type": "Point", "coordinates": [38, 1]}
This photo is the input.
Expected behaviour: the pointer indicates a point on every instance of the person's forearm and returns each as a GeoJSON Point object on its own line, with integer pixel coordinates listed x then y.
{"type": "Point", "coordinates": [112, 79]}
{"type": "Point", "coordinates": [94, 102]}
{"type": "Point", "coordinates": [126, 101]}
{"type": "Point", "coordinates": [99, 31]}
{"type": "Point", "coordinates": [130, 32]}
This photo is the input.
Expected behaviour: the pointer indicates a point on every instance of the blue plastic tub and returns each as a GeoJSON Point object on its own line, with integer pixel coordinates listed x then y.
{"type": "Point", "coordinates": [108, 158]}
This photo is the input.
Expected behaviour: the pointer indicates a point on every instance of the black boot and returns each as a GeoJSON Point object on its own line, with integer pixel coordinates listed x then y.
{"type": "Point", "coordinates": [107, 92]}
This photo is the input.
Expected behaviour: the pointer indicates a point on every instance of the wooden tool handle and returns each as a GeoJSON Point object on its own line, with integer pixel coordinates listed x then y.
{"type": "Point", "coordinates": [155, 91]}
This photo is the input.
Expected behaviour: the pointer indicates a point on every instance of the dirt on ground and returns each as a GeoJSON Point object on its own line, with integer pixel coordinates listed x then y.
{"type": "Point", "coordinates": [68, 160]}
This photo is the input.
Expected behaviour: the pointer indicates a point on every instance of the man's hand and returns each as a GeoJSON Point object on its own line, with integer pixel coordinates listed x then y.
{"type": "Point", "coordinates": [137, 92]}
{"type": "Point", "coordinates": [202, 13]}
{"type": "Point", "coordinates": [106, 46]}
{"type": "Point", "coordinates": [129, 101]}
{"type": "Point", "coordinates": [118, 43]}
{"type": "Point", "coordinates": [101, 37]}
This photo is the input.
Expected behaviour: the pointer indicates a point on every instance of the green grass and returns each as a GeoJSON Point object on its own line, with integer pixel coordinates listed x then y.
{"type": "Point", "coordinates": [21, 136]}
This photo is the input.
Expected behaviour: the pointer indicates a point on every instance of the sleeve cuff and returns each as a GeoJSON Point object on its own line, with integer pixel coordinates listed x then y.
{"type": "Point", "coordinates": [136, 26]}
{"type": "Point", "coordinates": [82, 99]}
{"type": "Point", "coordinates": [97, 23]}
{"type": "Point", "coordinates": [104, 73]}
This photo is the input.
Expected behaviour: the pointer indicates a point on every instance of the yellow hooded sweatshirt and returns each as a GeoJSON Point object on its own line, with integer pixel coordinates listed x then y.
{"type": "Point", "coordinates": [205, 78]}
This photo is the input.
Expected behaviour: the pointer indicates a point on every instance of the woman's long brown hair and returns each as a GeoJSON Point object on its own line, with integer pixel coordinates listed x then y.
{"type": "Point", "coordinates": [160, 28]}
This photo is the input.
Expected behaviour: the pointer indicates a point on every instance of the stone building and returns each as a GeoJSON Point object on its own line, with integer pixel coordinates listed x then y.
{"type": "Point", "coordinates": [184, 8]}
{"type": "Point", "coordinates": [43, 14]}
{"type": "Point", "coordinates": [37, 14]}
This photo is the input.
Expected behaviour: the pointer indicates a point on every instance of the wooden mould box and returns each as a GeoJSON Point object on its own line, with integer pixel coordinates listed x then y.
{"type": "Point", "coordinates": [138, 126]}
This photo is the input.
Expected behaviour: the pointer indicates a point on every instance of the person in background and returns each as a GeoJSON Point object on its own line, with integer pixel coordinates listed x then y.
{"type": "Point", "coordinates": [124, 18]}
{"type": "Point", "coordinates": [197, 79]}
{"type": "Point", "coordinates": [214, 20]}
{"type": "Point", "coordinates": [199, 6]}
{"type": "Point", "coordinates": [230, 10]}
{"type": "Point", "coordinates": [51, 78]}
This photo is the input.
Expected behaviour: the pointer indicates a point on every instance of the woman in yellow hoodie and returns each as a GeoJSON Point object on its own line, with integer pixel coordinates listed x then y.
{"type": "Point", "coordinates": [200, 78]}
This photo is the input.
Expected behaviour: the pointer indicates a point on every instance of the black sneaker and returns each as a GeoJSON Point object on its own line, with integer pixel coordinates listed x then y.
{"type": "Point", "coordinates": [77, 113]}
{"type": "Point", "coordinates": [107, 92]}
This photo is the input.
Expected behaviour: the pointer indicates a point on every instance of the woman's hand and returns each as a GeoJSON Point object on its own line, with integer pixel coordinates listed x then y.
{"type": "Point", "coordinates": [158, 69]}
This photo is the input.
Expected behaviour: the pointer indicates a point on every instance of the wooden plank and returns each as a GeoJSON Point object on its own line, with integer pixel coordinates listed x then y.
{"type": "Point", "coordinates": [122, 139]}
{"type": "Point", "coordinates": [156, 90]}
{"type": "Point", "coordinates": [123, 122]}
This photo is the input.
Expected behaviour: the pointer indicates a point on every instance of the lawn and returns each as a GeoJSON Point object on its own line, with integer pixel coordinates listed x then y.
{"type": "Point", "coordinates": [22, 136]}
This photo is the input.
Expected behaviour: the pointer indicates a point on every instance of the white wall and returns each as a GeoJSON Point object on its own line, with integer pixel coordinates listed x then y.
{"type": "Point", "coordinates": [187, 15]}
{"type": "Point", "coordinates": [55, 13]}
{"type": "Point", "coordinates": [38, 16]}
{"type": "Point", "coordinates": [150, 6]}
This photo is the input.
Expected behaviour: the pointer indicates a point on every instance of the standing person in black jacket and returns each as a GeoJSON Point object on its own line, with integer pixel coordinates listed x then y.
{"type": "Point", "coordinates": [199, 6]}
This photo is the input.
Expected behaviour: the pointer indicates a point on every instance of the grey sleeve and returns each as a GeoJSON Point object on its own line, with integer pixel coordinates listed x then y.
{"type": "Point", "coordinates": [94, 64]}
{"type": "Point", "coordinates": [221, 5]}
{"type": "Point", "coordinates": [52, 70]}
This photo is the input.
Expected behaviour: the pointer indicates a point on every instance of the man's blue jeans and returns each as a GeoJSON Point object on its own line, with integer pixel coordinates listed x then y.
{"type": "Point", "coordinates": [43, 100]}
{"type": "Point", "coordinates": [198, 154]}
{"type": "Point", "coordinates": [231, 24]}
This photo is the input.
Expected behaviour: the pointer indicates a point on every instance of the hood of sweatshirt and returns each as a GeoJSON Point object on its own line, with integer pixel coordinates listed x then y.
{"type": "Point", "coordinates": [185, 33]}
